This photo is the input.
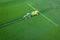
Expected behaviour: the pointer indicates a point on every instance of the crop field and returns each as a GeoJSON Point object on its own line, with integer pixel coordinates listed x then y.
{"type": "Point", "coordinates": [46, 26]}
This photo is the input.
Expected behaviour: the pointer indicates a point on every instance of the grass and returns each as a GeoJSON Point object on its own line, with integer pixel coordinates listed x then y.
{"type": "Point", "coordinates": [35, 28]}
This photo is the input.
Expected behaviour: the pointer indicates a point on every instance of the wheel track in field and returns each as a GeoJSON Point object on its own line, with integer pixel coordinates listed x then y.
{"type": "Point", "coordinates": [11, 22]}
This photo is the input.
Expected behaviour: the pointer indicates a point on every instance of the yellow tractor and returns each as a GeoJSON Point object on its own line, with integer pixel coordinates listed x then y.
{"type": "Point", "coordinates": [29, 15]}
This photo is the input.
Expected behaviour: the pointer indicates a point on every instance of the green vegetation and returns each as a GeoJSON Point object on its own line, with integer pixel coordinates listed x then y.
{"type": "Point", "coordinates": [35, 28]}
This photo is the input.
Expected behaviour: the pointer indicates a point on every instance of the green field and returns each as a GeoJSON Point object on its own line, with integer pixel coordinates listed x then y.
{"type": "Point", "coordinates": [43, 27]}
